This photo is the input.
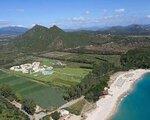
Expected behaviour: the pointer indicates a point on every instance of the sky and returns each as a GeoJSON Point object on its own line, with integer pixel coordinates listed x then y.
{"type": "Point", "coordinates": [71, 14]}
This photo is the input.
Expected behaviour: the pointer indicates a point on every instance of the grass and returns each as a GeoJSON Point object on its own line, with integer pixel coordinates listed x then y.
{"type": "Point", "coordinates": [63, 77]}
{"type": "Point", "coordinates": [77, 107]}
{"type": "Point", "coordinates": [89, 58]}
{"type": "Point", "coordinates": [45, 96]}
{"type": "Point", "coordinates": [47, 62]}
{"type": "Point", "coordinates": [115, 59]}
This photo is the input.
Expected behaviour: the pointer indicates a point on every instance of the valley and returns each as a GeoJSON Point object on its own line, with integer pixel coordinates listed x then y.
{"type": "Point", "coordinates": [79, 64]}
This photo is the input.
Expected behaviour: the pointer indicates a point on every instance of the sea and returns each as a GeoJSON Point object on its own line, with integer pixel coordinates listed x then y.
{"type": "Point", "coordinates": [136, 106]}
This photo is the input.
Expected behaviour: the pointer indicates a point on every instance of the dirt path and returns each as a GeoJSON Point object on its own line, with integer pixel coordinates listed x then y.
{"type": "Point", "coordinates": [31, 117]}
{"type": "Point", "coordinates": [71, 102]}
{"type": "Point", "coordinates": [18, 105]}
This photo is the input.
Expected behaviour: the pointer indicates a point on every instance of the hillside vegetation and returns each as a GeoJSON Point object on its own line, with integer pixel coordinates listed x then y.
{"type": "Point", "coordinates": [89, 59]}
{"type": "Point", "coordinates": [39, 39]}
{"type": "Point", "coordinates": [137, 58]}
{"type": "Point", "coordinates": [10, 112]}
{"type": "Point", "coordinates": [92, 84]}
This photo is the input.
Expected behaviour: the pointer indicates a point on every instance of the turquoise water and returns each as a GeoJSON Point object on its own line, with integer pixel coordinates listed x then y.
{"type": "Point", "coordinates": [136, 106]}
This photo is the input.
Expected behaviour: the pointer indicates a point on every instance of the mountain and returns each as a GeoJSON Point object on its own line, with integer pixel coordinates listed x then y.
{"type": "Point", "coordinates": [55, 29]}
{"type": "Point", "coordinates": [40, 38]}
{"type": "Point", "coordinates": [12, 30]}
{"type": "Point", "coordinates": [133, 29]}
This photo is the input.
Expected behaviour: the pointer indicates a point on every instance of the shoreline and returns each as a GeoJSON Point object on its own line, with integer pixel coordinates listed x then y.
{"type": "Point", "coordinates": [124, 95]}
{"type": "Point", "coordinates": [122, 83]}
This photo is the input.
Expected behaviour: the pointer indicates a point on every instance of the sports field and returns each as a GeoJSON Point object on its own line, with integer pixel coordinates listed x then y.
{"type": "Point", "coordinates": [62, 77]}
{"type": "Point", "coordinates": [45, 96]}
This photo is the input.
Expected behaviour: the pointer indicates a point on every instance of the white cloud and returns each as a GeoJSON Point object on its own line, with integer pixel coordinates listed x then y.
{"type": "Point", "coordinates": [83, 20]}
{"type": "Point", "coordinates": [4, 23]}
{"type": "Point", "coordinates": [78, 19]}
{"type": "Point", "coordinates": [87, 12]}
{"type": "Point", "coordinates": [54, 23]}
{"type": "Point", "coordinates": [20, 10]}
{"type": "Point", "coordinates": [32, 25]}
{"type": "Point", "coordinates": [108, 17]}
{"type": "Point", "coordinates": [120, 10]}
{"type": "Point", "coordinates": [17, 25]}
{"type": "Point", "coordinates": [16, 10]}
{"type": "Point", "coordinates": [148, 16]}
{"type": "Point", "coordinates": [104, 10]}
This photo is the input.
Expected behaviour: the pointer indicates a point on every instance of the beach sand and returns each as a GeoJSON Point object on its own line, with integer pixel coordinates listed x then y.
{"type": "Point", "coordinates": [121, 84]}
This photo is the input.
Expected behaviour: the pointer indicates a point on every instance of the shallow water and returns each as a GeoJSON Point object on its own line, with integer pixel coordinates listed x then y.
{"type": "Point", "coordinates": [136, 106]}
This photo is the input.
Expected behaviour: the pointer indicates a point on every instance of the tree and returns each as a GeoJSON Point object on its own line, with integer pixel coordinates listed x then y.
{"type": "Point", "coordinates": [29, 106]}
{"type": "Point", "coordinates": [55, 115]}
{"type": "Point", "coordinates": [7, 92]}
{"type": "Point", "coordinates": [101, 68]}
{"type": "Point", "coordinates": [10, 112]}
{"type": "Point", "coordinates": [137, 58]}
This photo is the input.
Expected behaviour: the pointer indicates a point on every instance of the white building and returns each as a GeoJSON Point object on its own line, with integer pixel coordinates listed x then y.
{"type": "Point", "coordinates": [36, 66]}
{"type": "Point", "coordinates": [33, 68]}
{"type": "Point", "coordinates": [16, 68]}
{"type": "Point", "coordinates": [64, 112]}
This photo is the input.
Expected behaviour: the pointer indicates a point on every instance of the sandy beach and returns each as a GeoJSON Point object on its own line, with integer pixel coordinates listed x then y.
{"type": "Point", "coordinates": [121, 84]}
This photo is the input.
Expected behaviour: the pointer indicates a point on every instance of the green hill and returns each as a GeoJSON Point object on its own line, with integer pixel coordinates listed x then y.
{"type": "Point", "coordinates": [35, 39]}
{"type": "Point", "coordinates": [40, 38]}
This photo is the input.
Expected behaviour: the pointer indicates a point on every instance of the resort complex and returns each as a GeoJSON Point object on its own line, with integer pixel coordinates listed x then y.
{"type": "Point", "coordinates": [35, 67]}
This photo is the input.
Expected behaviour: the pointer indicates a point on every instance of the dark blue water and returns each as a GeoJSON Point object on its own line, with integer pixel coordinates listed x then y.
{"type": "Point", "coordinates": [136, 106]}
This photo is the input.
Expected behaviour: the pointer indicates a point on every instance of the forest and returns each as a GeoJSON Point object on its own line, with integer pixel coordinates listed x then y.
{"type": "Point", "coordinates": [137, 58]}
{"type": "Point", "coordinates": [92, 84]}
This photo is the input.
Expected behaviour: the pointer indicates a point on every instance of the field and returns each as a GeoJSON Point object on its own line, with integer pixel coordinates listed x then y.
{"type": "Point", "coordinates": [76, 67]}
{"type": "Point", "coordinates": [45, 96]}
{"type": "Point", "coordinates": [47, 91]}
{"type": "Point", "coordinates": [83, 58]}
{"type": "Point", "coordinates": [62, 77]}
{"type": "Point", "coordinates": [77, 107]}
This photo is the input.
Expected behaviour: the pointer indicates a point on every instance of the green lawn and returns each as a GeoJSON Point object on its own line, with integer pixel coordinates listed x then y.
{"type": "Point", "coordinates": [47, 62]}
{"type": "Point", "coordinates": [66, 77]}
{"type": "Point", "coordinates": [46, 96]}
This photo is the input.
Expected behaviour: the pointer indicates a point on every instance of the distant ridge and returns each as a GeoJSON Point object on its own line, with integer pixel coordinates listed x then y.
{"type": "Point", "coordinates": [12, 30]}
{"type": "Point", "coordinates": [133, 29]}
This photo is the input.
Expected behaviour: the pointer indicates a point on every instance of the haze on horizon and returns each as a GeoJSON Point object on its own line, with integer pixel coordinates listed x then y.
{"type": "Point", "coordinates": [74, 14]}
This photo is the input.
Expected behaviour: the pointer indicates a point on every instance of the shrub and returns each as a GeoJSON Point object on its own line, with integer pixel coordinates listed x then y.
{"type": "Point", "coordinates": [55, 115]}
{"type": "Point", "coordinates": [29, 106]}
